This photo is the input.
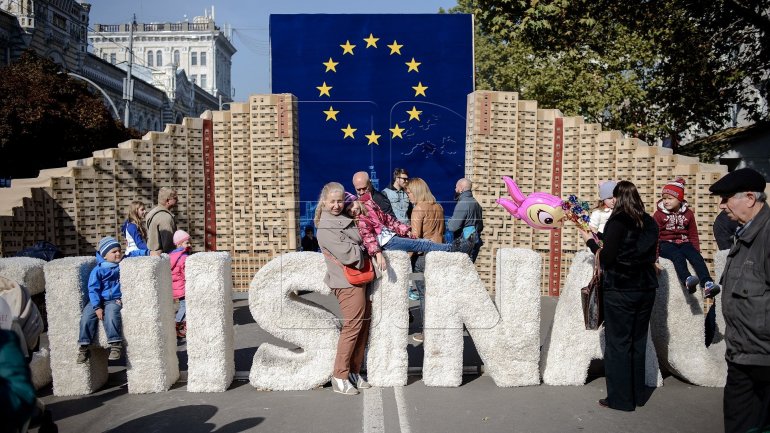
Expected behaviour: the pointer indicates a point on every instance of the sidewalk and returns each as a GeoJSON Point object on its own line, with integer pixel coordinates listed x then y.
{"type": "Point", "coordinates": [477, 405]}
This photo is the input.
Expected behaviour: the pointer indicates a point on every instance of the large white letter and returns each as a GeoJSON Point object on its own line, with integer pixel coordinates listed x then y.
{"type": "Point", "coordinates": [279, 311]}
{"type": "Point", "coordinates": [570, 349]}
{"type": "Point", "coordinates": [678, 329]}
{"type": "Point", "coordinates": [210, 347]}
{"type": "Point", "coordinates": [148, 324]}
{"type": "Point", "coordinates": [507, 340]}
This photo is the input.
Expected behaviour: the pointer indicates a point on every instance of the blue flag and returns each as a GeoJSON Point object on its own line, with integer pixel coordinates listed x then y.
{"type": "Point", "coordinates": [376, 92]}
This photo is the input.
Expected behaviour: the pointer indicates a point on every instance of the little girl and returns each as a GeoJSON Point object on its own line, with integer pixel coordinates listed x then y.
{"type": "Point", "coordinates": [178, 258]}
{"type": "Point", "coordinates": [134, 232]}
{"type": "Point", "coordinates": [603, 209]}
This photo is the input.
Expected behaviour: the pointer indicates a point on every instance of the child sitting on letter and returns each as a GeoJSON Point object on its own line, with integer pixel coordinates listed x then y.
{"type": "Point", "coordinates": [104, 301]}
{"type": "Point", "coordinates": [178, 258]}
{"type": "Point", "coordinates": [678, 239]}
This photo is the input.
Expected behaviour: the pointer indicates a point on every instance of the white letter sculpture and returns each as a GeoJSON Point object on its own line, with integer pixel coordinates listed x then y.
{"type": "Point", "coordinates": [678, 329]}
{"type": "Point", "coordinates": [570, 349]}
{"type": "Point", "coordinates": [507, 340]}
{"type": "Point", "coordinates": [210, 346]}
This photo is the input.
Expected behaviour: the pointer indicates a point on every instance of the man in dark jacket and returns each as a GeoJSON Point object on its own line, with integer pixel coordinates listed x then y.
{"type": "Point", "coordinates": [363, 185]}
{"type": "Point", "coordinates": [746, 302]}
{"type": "Point", "coordinates": [466, 221]}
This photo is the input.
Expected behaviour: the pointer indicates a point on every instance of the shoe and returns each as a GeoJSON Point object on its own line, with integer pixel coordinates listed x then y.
{"type": "Point", "coordinates": [711, 289]}
{"type": "Point", "coordinates": [181, 329]}
{"type": "Point", "coordinates": [115, 349]}
{"type": "Point", "coordinates": [462, 245]}
{"type": "Point", "coordinates": [359, 381]}
{"type": "Point", "coordinates": [604, 403]}
{"type": "Point", "coordinates": [418, 337]}
{"type": "Point", "coordinates": [83, 354]}
{"type": "Point", "coordinates": [691, 283]}
{"type": "Point", "coordinates": [414, 296]}
{"type": "Point", "coordinates": [343, 386]}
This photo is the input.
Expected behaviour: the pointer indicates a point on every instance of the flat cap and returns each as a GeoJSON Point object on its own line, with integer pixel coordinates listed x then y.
{"type": "Point", "coordinates": [742, 180]}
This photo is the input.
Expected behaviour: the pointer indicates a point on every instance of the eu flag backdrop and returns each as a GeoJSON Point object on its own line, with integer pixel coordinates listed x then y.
{"type": "Point", "coordinates": [376, 92]}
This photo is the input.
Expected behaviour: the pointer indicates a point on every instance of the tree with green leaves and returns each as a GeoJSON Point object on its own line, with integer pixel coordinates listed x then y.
{"type": "Point", "coordinates": [652, 68]}
{"type": "Point", "coordinates": [47, 118]}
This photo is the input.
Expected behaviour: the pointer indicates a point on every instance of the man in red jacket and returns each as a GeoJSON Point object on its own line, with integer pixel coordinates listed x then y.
{"type": "Point", "coordinates": [678, 239]}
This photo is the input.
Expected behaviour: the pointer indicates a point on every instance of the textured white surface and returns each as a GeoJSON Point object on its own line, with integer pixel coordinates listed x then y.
{"type": "Point", "coordinates": [279, 311]}
{"type": "Point", "coordinates": [678, 329]}
{"type": "Point", "coordinates": [507, 340]}
{"type": "Point", "coordinates": [66, 280]}
{"type": "Point", "coordinates": [568, 353]}
{"type": "Point", "coordinates": [210, 347]}
{"type": "Point", "coordinates": [387, 361]}
{"type": "Point", "coordinates": [148, 324]}
{"type": "Point", "coordinates": [26, 271]}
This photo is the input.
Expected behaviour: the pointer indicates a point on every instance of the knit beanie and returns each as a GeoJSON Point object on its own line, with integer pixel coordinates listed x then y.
{"type": "Point", "coordinates": [180, 236]}
{"type": "Point", "coordinates": [675, 188]}
{"type": "Point", "coordinates": [349, 199]}
{"type": "Point", "coordinates": [106, 244]}
{"type": "Point", "coordinates": [606, 188]}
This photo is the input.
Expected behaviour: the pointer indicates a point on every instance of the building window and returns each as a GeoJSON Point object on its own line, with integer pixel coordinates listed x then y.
{"type": "Point", "coordinates": [203, 81]}
{"type": "Point", "coordinates": [194, 78]}
{"type": "Point", "coordinates": [113, 58]}
{"type": "Point", "coordinates": [176, 57]}
{"type": "Point", "coordinates": [193, 58]}
{"type": "Point", "coordinates": [59, 21]}
{"type": "Point", "coordinates": [158, 58]}
{"type": "Point", "coordinates": [104, 56]}
{"type": "Point", "coordinates": [149, 59]}
{"type": "Point", "coordinates": [203, 59]}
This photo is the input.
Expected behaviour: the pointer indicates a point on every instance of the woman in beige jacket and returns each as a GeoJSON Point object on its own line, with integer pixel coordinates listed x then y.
{"type": "Point", "coordinates": [341, 244]}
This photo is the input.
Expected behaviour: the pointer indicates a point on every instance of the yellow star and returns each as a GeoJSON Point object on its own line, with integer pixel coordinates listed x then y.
{"type": "Point", "coordinates": [397, 130]}
{"type": "Point", "coordinates": [414, 113]}
{"type": "Point", "coordinates": [324, 89]}
{"type": "Point", "coordinates": [373, 138]}
{"type": "Point", "coordinates": [395, 48]}
{"type": "Point", "coordinates": [349, 132]}
{"type": "Point", "coordinates": [331, 65]}
{"type": "Point", "coordinates": [347, 48]}
{"type": "Point", "coordinates": [331, 113]}
{"type": "Point", "coordinates": [419, 89]}
{"type": "Point", "coordinates": [412, 65]}
{"type": "Point", "coordinates": [371, 41]}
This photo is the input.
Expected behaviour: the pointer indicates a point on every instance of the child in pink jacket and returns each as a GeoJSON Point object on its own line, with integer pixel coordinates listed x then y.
{"type": "Point", "coordinates": [178, 258]}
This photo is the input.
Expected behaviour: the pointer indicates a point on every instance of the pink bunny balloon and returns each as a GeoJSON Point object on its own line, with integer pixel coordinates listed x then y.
{"type": "Point", "coordinates": [539, 210]}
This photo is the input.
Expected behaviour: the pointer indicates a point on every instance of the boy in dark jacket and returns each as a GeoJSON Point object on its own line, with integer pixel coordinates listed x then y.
{"type": "Point", "coordinates": [104, 301]}
{"type": "Point", "coordinates": [678, 239]}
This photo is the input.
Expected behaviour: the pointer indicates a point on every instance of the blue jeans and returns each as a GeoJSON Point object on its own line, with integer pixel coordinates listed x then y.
{"type": "Point", "coordinates": [182, 311]}
{"type": "Point", "coordinates": [419, 285]}
{"type": "Point", "coordinates": [680, 254]}
{"type": "Point", "coordinates": [397, 243]}
{"type": "Point", "coordinates": [113, 325]}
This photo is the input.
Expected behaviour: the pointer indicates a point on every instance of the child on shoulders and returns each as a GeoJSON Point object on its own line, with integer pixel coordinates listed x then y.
{"type": "Point", "coordinates": [104, 301]}
{"type": "Point", "coordinates": [678, 239]}
{"type": "Point", "coordinates": [178, 258]}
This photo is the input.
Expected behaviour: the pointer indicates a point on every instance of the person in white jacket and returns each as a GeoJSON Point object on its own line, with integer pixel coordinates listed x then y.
{"type": "Point", "coordinates": [602, 211]}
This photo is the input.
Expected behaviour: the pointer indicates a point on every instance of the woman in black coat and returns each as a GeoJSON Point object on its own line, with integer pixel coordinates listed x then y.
{"type": "Point", "coordinates": [629, 281]}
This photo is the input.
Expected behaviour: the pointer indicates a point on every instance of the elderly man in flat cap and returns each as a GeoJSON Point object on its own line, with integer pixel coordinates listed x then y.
{"type": "Point", "coordinates": [746, 302]}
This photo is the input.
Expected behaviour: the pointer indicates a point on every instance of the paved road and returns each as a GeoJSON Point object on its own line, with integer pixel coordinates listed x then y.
{"type": "Point", "coordinates": [476, 406]}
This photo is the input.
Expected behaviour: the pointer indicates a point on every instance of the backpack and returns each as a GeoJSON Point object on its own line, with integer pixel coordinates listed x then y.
{"type": "Point", "coordinates": [20, 314]}
{"type": "Point", "coordinates": [41, 250]}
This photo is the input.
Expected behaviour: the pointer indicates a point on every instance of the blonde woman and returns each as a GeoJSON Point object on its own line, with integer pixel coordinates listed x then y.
{"type": "Point", "coordinates": [340, 242]}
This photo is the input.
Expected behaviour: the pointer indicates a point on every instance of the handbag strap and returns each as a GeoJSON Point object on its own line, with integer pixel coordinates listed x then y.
{"type": "Point", "coordinates": [597, 263]}
{"type": "Point", "coordinates": [328, 254]}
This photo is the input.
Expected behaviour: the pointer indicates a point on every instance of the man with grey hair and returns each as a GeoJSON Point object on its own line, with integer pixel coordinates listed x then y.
{"type": "Point", "coordinates": [746, 302]}
{"type": "Point", "coordinates": [363, 185]}
{"type": "Point", "coordinates": [161, 224]}
{"type": "Point", "coordinates": [466, 221]}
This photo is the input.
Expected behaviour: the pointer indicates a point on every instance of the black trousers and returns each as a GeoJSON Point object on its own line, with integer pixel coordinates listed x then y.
{"type": "Point", "coordinates": [626, 322]}
{"type": "Point", "coordinates": [747, 398]}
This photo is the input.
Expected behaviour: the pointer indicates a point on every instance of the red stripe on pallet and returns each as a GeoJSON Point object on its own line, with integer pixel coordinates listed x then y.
{"type": "Point", "coordinates": [208, 180]}
{"type": "Point", "coordinates": [554, 274]}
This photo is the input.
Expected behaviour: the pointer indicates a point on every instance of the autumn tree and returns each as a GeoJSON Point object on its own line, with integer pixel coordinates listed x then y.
{"type": "Point", "coordinates": [48, 118]}
{"type": "Point", "coordinates": [651, 68]}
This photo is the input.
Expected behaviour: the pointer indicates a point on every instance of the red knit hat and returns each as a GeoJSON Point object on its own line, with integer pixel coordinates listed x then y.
{"type": "Point", "coordinates": [675, 188]}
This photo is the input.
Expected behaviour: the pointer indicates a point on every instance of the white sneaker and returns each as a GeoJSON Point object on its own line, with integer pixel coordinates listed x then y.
{"type": "Point", "coordinates": [343, 386]}
{"type": "Point", "coordinates": [359, 381]}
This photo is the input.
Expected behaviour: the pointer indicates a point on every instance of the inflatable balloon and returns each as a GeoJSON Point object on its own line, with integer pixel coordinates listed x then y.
{"type": "Point", "coordinates": [539, 210]}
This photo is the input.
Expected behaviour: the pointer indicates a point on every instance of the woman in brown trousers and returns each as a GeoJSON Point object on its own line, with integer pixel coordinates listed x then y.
{"type": "Point", "coordinates": [341, 244]}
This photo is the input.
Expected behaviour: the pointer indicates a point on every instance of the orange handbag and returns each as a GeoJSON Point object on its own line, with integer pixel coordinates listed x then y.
{"type": "Point", "coordinates": [356, 277]}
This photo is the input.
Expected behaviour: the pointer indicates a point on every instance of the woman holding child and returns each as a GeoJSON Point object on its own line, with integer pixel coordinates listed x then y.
{"type": "Point", "coordinates": [340, 241]}
{"type": "Point", "coordinates": [629, 282]}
